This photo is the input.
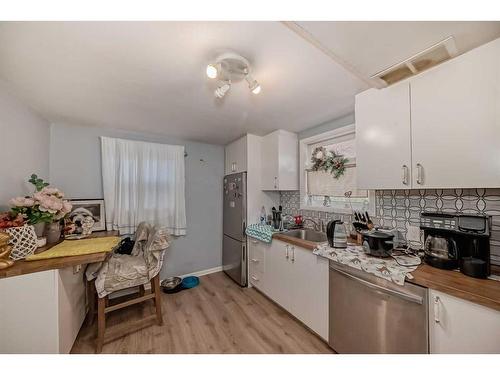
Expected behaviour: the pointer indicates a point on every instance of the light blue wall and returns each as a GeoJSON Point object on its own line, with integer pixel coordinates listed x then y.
{"type": "Point", "coordinates": [330, 125]}
{"type": "Point", "coordinates": [75, 167]}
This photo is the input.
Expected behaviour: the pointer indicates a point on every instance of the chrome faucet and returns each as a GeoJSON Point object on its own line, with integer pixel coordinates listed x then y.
{"type": "Point", "coordinates": [286, 218]}
{"type": "Point", "coordinates": [318, 226]}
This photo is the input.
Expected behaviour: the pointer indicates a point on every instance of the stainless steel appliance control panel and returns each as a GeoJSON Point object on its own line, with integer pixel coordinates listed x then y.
{"type": "Point", "coordinates": [462, 223]}
{"type": "Point", "coordinates": [439, 221]}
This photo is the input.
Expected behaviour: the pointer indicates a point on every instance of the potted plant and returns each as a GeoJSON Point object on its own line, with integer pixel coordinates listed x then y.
{"type": "Point", "coordinates": [46, 206]}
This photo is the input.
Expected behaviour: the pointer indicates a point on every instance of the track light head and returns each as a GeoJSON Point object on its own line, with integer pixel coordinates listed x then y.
{"type": "Point", "coordinates": [253, 85]}
{"type": "Point", "coordinates": [212, 71]}
{"type": "Point", "coordinates": [222, 89]}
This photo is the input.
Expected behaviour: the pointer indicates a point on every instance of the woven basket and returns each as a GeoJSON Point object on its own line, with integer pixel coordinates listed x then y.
{"type": "Point", "coordinates": [23, 240]}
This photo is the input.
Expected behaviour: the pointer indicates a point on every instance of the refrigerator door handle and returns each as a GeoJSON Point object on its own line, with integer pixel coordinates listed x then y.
{"type": "Point", "coordinates": [244, 228]}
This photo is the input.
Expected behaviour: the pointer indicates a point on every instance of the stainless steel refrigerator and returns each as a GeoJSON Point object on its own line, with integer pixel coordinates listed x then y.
{"type": "Point", "coordinates": [234, 246]}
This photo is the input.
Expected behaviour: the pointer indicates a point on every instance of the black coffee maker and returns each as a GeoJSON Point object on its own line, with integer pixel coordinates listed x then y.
{"type": "Point", "coordinates": [457, 241]}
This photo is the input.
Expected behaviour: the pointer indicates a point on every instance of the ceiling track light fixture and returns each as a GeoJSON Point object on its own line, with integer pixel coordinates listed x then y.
{"type": "Point", "coordinates": [228, 68]}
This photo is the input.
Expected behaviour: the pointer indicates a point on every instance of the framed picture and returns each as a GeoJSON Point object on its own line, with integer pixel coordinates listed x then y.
{"type": "Point", "coordinates": [89, 207]}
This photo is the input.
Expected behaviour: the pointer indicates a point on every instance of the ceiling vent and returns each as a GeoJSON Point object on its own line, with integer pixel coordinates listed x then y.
{"type": "Point", "coordinates": [432, 56]}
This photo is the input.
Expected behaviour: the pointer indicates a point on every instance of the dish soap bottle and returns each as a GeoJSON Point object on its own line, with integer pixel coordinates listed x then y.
{"type": "Point", "coordinates": [263, 215]}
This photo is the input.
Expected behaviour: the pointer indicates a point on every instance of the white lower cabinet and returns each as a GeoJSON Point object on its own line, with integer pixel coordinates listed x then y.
{"type": "Point", "coordinates": [457, 326]}
{"type": "Point", "coordinates": [41, 312]}
{"type": "Point", "coordinates": [279, 274]}
{"type": "Point", "coordinates": [310, 290]}
{"type": "Point", "coordinates": [294, 278]}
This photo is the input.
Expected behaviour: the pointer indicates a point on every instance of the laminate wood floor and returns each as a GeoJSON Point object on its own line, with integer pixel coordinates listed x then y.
{"type": "Point", "coordinates": [216, 317]}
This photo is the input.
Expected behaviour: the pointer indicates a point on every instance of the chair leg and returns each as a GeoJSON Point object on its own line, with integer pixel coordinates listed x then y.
{"type": "Point", "coordinates": [155, 286]}
{"type": "Point", "coordinates": [91, 299]}
{"type": "Point", "coordinates": [101, 323]}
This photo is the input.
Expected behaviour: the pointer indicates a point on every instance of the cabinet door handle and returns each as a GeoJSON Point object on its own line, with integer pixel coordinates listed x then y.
{"type": "Point", "coordinates": [255, 278]}
{"type": "Point", "coordinates": [437, 318]}
{"type": "Point", "coordinates": [420, 174]}
{"type": "Point", "coordinates": [275, 182]}
{"type": "Point", "coordinates": [255, 260]}
{"type": "Point", "coordinates": [255, 242]}
{"type": "Point", "coordinates": [404, 174]}
{"type": "Point", "coordinates": [286, 252]}
{"type": "Point", "coordinates": [293, 254]}
{"type": "Point", "coordinates": [233, 166]}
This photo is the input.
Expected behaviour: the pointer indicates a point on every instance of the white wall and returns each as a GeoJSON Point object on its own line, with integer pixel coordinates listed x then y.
{"type": "Point", "coordinates": [24, 147]}
{"type": "Point", "coordinates": [75, 167]}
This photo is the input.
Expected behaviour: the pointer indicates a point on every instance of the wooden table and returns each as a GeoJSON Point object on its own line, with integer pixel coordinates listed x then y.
{"type": "Point", "coordinates": [23, 267]}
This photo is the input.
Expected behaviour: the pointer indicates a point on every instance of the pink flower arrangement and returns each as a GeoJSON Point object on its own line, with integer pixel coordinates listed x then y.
{"type": "Point", "coordinates": [22, 202]}
{"type": "Point", "coordinates": [46, 205]}
{"type": "Point", "coordinates": [51, 200]}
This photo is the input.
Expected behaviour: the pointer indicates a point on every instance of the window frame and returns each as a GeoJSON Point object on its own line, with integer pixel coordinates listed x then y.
{"type": "Point", "coordinates": [304, 145]}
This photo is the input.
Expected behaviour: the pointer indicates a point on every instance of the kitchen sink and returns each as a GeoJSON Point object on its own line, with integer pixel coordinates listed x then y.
{"type": "Point", "coordinates": [307, 234]}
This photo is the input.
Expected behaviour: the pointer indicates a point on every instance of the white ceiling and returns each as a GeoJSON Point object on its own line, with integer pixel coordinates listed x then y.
{"type": "Point", "coordinates": [370, 47]}
{"type": "Point", "coordinates": [150, 76]}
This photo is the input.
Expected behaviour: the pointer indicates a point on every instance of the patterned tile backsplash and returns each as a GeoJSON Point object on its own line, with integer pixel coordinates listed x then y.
{"type": "Point", "coordinates": [401, 209]}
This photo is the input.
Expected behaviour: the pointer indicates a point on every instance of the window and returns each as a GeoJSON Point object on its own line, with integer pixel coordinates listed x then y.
{"type": "Point", "coordinates": [143, 182]}
{"type": "Point", "coordinates": [319, 189]}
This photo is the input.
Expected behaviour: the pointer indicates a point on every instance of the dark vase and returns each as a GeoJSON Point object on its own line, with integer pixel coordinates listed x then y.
{"type": "Point", "coordinates": [39, 229]}
{"type": "Point", "coordinates": [53, 232]}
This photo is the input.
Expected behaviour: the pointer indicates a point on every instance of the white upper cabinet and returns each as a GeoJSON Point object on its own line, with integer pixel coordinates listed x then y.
{"type": "Point", "coordinates": [440, 129]}
{"type": "Point", "coordinates": [236, 156]}
{"type": "Point", "coordinates": [280, 161]}
{"type": "Point", "coordinates": [383, 154]}
{"type": "Point", "coordinates": [455, 117]}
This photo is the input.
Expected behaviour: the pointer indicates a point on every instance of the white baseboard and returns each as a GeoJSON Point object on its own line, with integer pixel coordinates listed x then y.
{"type": "Point", "coordinates": [132, 290]}
{"type": "Point", "coordinates": [203, 272]}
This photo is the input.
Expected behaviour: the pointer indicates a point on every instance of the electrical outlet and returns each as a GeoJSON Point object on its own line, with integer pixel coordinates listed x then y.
{"type": "Point", "coordinates": [413, 233]}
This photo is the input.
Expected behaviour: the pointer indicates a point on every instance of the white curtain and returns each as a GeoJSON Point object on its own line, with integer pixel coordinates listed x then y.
{"type": "Point", "coordinates": [143, 182]}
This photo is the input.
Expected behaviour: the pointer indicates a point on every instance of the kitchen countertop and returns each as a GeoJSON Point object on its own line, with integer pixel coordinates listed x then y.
{"type": "Point", "coordinates": [454, 283]}
{"type": "Point", "coordinates": [296, 241]}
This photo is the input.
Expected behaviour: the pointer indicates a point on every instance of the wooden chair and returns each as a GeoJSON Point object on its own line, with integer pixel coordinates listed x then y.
{"type": "Point", "coordinates": [147, 258]}
{"type": "Point", "coordinates": [105, 307]}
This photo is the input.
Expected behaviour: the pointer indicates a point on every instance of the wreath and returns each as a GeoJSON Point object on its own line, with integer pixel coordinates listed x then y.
{"type": "Point", "coordinates": [328, 161]}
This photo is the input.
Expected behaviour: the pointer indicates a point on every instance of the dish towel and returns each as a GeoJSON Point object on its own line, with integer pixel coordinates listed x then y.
{"type": "Point", "coordinates": [78, 247]}
{"type": "Point", "coordinates": [260, 232]}
{"type": "Point", "coordinates": [354, 256]}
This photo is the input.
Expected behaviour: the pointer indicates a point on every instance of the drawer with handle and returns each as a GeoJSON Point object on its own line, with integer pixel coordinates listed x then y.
{"type": "Point", "coordinates": [256, 256]}
{"type": "Point", "coordinates": [256, 278]}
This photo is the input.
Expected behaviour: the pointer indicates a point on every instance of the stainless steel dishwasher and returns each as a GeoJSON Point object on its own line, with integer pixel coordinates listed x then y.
{"type": "Point", "coordinates": [371, 315]}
